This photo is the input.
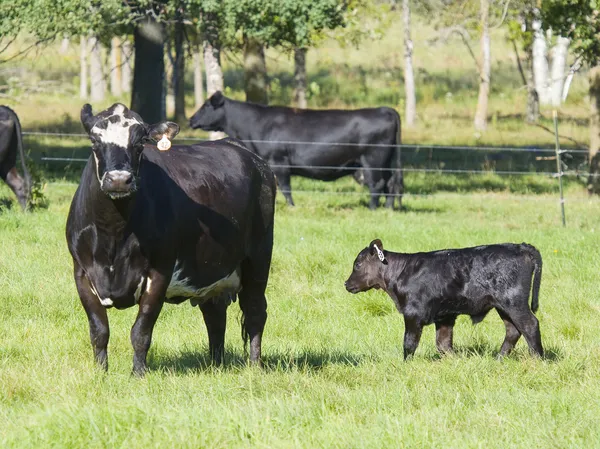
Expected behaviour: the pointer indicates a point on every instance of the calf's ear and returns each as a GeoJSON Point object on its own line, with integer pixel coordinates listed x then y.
{"type": "Point", "coordinates": [376, 248]}
{"type": "Point", "coordinates": [87, 117]}
{"type": "Point", "coordinates": [217, 99]}
{"type": "Point", "coordinates": [168, 129]}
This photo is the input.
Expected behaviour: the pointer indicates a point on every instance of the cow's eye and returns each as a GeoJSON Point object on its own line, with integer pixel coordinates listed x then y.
{"type": "Point", "coordinates": [357, 265]}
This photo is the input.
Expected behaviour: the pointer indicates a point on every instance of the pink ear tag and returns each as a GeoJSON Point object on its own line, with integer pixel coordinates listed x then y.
{"type": "Point", "coordinates": [164, 144]}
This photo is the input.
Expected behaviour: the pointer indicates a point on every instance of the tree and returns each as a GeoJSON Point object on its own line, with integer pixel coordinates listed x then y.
{"type": "Point", "coordinates": [409, 80]}
{"type": "Point", "coordinates": [579, 20]}
{"type": "Point", "coordinates": [485, 68]}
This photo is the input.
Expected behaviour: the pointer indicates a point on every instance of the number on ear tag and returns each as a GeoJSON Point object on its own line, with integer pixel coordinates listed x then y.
{"type": "Point", "coordinates": [164, 144]}
{"type": "Point", "coordinates": [379, 253]}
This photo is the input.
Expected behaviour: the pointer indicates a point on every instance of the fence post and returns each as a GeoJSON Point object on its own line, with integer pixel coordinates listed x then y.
{"type": "Point", "coordinates": [559, 172]}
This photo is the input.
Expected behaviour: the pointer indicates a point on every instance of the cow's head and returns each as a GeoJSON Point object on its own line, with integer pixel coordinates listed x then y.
{"type": "Point", "coordinates": [211, 116]}
{"type": "Point", "coordinates": [118, 136]}
{"type": "Point", "coordinates": [367, 272]}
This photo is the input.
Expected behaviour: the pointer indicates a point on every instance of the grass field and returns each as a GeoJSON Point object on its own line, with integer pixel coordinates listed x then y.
{"type": "Point", "coordinates": [333, 375]}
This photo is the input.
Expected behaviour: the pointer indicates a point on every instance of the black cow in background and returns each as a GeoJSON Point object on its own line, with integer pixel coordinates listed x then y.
{"type": "Point", "coordinates": [11, 141]}
{"type": "Point", "coordinates": [347, 140]}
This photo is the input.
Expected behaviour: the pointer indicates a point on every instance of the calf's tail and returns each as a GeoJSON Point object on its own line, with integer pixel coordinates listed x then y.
{"type": "Point", "coordinates": [536, 257]}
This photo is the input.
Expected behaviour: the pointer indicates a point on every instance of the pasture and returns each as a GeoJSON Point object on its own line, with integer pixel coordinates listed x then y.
{"type": "Point", "coordinates": [334, 374]}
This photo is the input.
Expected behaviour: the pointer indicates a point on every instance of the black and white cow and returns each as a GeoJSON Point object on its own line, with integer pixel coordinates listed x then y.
{"type": "Point", "coordinates": [11, 142]}
{"type": "Point", "coordinates": [347, 140]}
{"type": "Point", "coordinates": [148, 227]}
{"type": "Point", "coordinates": [436, 287]}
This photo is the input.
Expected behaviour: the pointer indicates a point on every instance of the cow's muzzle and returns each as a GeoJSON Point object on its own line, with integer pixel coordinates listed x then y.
{"type": "Point", "coordinates": [118, 183]}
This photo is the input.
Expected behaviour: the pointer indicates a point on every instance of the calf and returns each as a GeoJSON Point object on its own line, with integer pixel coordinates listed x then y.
{"type": "Point", "coordinates": [11, 143]}
{"type": "Point", "coordinates": [436, 287]}
{"type": "Point", "coordinates": [148, 227]}
{"type": "Point", "coordinates": [318, 144]}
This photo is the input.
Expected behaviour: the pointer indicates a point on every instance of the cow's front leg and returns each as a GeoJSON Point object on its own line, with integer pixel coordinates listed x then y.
{"type": "Point", "coordinates": [412, 335]}
{"type": "Point", "coordinates": [97, 317]}
{"type": "Point", "coordinates": [151, 303]}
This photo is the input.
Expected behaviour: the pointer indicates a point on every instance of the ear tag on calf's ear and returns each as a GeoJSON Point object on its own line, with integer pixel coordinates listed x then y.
{"type": "Point", "coordinates": [164, 144]}
{"type": "Point", "coordinates": [379, 253]}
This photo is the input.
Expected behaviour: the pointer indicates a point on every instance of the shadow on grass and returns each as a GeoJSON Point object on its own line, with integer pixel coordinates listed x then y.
{"type": "Point", "coordinates": [306, 360]}
{"type": "Point", "coordinates": [551, 354]}
{"type": "Point", "coordinates": [5, 203]}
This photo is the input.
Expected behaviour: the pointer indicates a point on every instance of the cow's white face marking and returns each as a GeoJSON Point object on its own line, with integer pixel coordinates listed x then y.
{"type": "Point", "coordinates": [182, 287]}
{"type": "Point", "coordinates": [116, 133]}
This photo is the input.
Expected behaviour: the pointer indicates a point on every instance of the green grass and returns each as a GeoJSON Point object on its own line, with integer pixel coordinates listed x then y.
{"type": "Point", "coordinates": [334, 375]}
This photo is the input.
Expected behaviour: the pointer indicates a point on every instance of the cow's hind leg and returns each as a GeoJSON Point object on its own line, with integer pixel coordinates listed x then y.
{"type": "Point", "coordinates": [214, 312]}
{"type": "Point", "coordinates": [376, 186]}
{"type": "Point", "coordinates": [17, 185]}
{"type": "Point", "coordinates": [512, 335]}
{"type": "Point", "coordinates": [283, 177]}
{"type": "Point", "coordinates": [444, 331]}
{"type": "Point", "coordinates": [527, 324]}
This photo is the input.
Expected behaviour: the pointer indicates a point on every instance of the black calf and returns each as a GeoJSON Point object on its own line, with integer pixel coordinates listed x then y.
{"type": "Point", "coordinates": [436, 287]}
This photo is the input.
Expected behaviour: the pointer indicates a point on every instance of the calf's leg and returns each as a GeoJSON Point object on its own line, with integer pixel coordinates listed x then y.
{"type": "Point", "coordinates": [17, 185]}
{"type": "Point", "coordinates": [214, 312]}
{"type": "Point", "coordinates": [97, 318]}
{"type": "Point", "coordinates": [412, 335]}
{"type": "Point", "coordinates": [443, 335]}
{"type": "Point", "coordinates": [512, 336]}
{"type": "Point", "coordinates": [527, 324]}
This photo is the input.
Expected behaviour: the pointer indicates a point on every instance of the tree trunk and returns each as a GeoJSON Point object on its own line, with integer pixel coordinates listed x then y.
{"type": "Point", "coordinates": [540, 60]}
{"type": "Point", "coordinates": [64, 46]}
{"type": "Point", "coordinates": [198, 79]}
{"type": "Point", "coordinates": [147, 98]}
{"type": "Point", "coordinates": [115, 66]}
{"type": "Point", "coordinates": [300, 82]}
{"type": "Point", "coordinates": [594, 155]}
{"type": "Point", "coordinates": [83, 70]}
{"type": "Point", "coordinates": [484, 70]}
{"type": "Point", "coordinates": [214, 76]}
{"type": "Point", "coordinates": [559, 66]}
{"type": "Point", "coordinates": [409, 80]}
{"type": "Point", "coordinates": [127, 56]}
{"type": "Point", "coordinates": [533, 99]}
{"type": "Point", "coordinates": [97, 88]}
{"type": "Point", "coordinates": [255, 72]}
{"type": "Point", "coordinates": [179, 72]}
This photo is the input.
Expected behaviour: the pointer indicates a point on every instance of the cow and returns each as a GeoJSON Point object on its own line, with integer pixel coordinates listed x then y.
{"type": "Point", "coordinates": [346, 140]}
{"type": "Point", "coordinates": [436, 287]}
{"type": "Point", "coordinates": [147, 227]}
{"type": "Point", "coordinates": [11, 142]}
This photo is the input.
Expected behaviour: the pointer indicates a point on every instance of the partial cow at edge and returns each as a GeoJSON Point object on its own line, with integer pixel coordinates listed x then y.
{"type": "Point", "coordinates": [147, 227]}
{"type": "Point", "coordinates": [299, 141]}
{"type": "Point", "coordinates": [11, 142]}
{"type": "Point", "coordinates": [436, 287]}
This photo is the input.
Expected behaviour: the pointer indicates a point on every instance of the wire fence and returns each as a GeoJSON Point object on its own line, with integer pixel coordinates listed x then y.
{"type": "Point", "coordinates": [354, 168]}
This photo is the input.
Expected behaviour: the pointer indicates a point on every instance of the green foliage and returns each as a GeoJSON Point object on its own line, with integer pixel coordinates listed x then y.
{"type": "Point", "coordinates": [578, 20]}
{"type": "Point", "coordinates": [37, 198]}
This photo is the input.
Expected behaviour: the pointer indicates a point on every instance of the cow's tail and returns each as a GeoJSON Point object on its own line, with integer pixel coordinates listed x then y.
{"type": "Point", "coordinates": [26, 175]}
{"type": "Point", "coordinates": [536, 257]}
{"type": "Point", "coordinates": [397, 162]}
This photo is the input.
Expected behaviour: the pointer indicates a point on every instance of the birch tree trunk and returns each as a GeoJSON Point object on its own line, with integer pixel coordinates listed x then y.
{"type": "Point", "coordinates": [533, 98]}
{"type": "Point", "coordinates": [559, 67]}
{"type": "Point", "coordinates": [83, 69]}
{"type": "Point", "coordinates": [214, 77]}
{"type": "Point", "coordinates": [594, 154]}
{"type": "Point", "coordinates": [255, 72]}
{"type": "Point", "coordinates": [198, 78]}
{"type": "Point", "coordinates": [97, 88]}
{"type": "Point", "coordinates": [127, 56]}
{"type": "Point", "coordinates": [179, 71]}
{"type": "Point", "coordinates": [409, 80]}
{"type": "Point", "coordinates": [115, 66]}
{"type": "Point", "coordinates": [148, 92]}
{"type": "Point", "coordinates": [300, 82]}
{"type": "Point", "coordinates": [540, 60]}
{"type": "Point", "coordinates": [480, 121]}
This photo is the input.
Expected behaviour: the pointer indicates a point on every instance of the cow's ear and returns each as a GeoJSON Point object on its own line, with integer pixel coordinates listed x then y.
{"type": "Point", "coordinates": [376, 248]}
{"type": "Point", "coordinates": [168, 129]}
{"type": "Point", "coordinates": [217, 99]}
{"type": "Point", "coordinates": [87, 117]}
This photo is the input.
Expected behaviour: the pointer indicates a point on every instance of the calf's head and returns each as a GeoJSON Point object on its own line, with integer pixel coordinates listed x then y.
{"type": "Point", "coordinates": [118, 136]}
{"type": "Point", "coordinates": [211, 116]}
{"type": "Point", "coordinates": [367, 269]}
